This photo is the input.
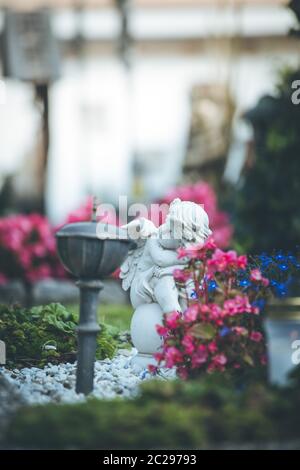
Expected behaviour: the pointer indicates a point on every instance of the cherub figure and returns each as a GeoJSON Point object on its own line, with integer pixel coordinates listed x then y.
{"type": "Point", "coordinates": [148, 270]}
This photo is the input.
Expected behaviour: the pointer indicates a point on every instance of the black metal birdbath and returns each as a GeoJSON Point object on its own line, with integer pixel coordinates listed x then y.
{"type": "Point", "coordinates": [90, 251]}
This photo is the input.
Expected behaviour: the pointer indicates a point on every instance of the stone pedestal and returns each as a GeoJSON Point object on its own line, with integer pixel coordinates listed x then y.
{"type": "Point", "coordinates": [144, 335]}
{"type": "Point", "coordinates": [88, 329]}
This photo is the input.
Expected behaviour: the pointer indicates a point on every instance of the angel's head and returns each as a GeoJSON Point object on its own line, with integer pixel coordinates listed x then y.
{"type": "Point", "coordinates": [186, 223]}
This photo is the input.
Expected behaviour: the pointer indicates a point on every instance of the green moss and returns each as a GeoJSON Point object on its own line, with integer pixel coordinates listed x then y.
{"type": "Point", "coordinates": [47, 333]}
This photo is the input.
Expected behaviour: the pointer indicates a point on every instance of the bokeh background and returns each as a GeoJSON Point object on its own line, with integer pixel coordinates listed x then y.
{"type": "Point", "coordinates": [151, 99]}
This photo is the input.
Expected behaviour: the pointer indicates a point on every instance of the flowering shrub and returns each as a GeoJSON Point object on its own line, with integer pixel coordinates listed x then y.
{"type": "Point", "coordinates": [221, 327]}
{"type": "Point", "coordinates": [203, 193]}
{"type": "Point", "coordinates": [27, 249]}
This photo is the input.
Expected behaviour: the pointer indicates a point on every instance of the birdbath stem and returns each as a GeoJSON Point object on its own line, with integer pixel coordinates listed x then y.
{"type": "Point", "coordinates": [88, 329]}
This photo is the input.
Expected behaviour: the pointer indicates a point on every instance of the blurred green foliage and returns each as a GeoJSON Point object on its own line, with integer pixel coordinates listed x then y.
{"type": "Point", "coordinates": [266, 209]}
{"type": "Point", "coordinates": [167, 415]}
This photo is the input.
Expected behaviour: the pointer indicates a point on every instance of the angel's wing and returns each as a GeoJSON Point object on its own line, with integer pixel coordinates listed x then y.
{"type": "Point", "coordinates": [138, 230]}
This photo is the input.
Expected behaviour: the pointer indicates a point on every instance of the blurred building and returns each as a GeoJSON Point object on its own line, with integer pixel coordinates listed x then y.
{"type": "Point", "coordinates": [110, 117]}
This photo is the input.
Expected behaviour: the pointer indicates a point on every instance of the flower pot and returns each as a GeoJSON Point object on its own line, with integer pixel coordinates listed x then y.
{"type": "Point", "coordinates": [283, 336]}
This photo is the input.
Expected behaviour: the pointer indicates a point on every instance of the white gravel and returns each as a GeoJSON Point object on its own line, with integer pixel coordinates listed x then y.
{"type": "Point", "coordinates": [56, 383]}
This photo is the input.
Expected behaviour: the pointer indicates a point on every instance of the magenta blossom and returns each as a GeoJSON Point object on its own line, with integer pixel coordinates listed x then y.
{"type": "Point", "coordinates": [172, 357]}
{"type": "Point", "coordinates": [256, 336]}
{"type": "Point", "coordinates": [220, 327]}
{"type": "Point", "coordinates": [172, 319]}
{"type": "Point", "coordinates": [191, 314]}
{"type": "Point", "coordinates": [180, 275]}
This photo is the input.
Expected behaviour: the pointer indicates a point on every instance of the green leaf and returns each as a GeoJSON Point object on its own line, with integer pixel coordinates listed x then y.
{"type": "Point", "coordinates": [248, 359]}
{"type": "Point", "coordinates": [203, 331]}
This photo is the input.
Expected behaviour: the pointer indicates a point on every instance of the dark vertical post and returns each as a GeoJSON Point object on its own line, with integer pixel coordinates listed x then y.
{"type": "Point", "coordinates": [42, 94]}
{"type": "Point", "coordinates": [87, 334]}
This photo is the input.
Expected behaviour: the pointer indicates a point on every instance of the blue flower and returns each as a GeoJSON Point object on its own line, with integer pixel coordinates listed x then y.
{"type": "Point", "coordinates": [212, 285]}
{"type": "Point", "coordinates": [281, 290]}
{"type": "Point", "coordinates": [245, 283]}
{"type": "Point", "coordinates": [265, 260]}
{"type": "Point", "coordinates": [283, 267]}
{"type": "Point", "coordinates": [225, 331]}
{"type": "Point", "coordinates": [193, 295]}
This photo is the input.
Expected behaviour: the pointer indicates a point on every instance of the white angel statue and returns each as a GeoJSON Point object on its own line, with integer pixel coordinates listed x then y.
{"type": "Point", "coordinates": [148, 269]}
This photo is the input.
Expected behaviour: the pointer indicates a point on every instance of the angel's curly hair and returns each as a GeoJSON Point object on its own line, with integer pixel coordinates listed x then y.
{"type": "Point", "coordinates": [189, 221]}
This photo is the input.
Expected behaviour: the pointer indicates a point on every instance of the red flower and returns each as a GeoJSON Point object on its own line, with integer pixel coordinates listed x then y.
{"type": "Point", "coordinates": [152, 369]}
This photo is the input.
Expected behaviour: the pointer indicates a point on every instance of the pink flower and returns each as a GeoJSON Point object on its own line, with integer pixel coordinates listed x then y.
{"type": "Point", "coordinates": [226, 260]}
{"type": "Point", "coordinates": [162, 330]}
{"type": "Point", "coordinates": [220, 359]}
{"type": "Point", "coordinates": [240, 330]}
{"type": "Point", "coordinates": [191, 314]}
{"type": "Point", "coordinates": [215, 312]}
{"type": "Point", "coordinates": [204, 310]}
{"type": "Point", "coordinates": [256, 336]}
{"type": "Point", "coordinates": [203, 193]}
{"type": "Point", "coordinates": [25, 259]}
{"type": "Point", "coordinates": [218, 363]}
{"type": "Point", "coordinates": [242, 262]}
{"type": "Point", "coordinates": [239, 304]}
{"type": "Point", "coordinates": [172, 320]}
{"type": "Point", "coordinates": [256, 275]}
{"type": "Point", "coordinates": [39, 250]}
{"type": "Point", "coordinates": [212, 347]}
{"type": "Point", "coordinates": [188, 344]}
{"type": "Point", "coordinates": [210, 244]}
{"type": "Point", "coordinates": [172, 357]}
{"type": "Point", "coordinates": [230, 307]}
{"type": "Point", "coordinates": [181, 275]}
{"type": "Point", "coordinates": [200, 356]}
{"type": "Point", "coordinates": [243, 304]}
{"type": "Point", "coordinates": [191, 251]}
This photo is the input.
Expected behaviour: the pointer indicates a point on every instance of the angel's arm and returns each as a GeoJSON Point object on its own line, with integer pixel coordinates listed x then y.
{"type": "Point", "coordinates": [162, 257]}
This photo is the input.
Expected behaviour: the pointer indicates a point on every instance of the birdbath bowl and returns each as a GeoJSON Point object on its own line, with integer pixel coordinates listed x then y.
{"type": "Point", "coordinates": [90, 251]}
